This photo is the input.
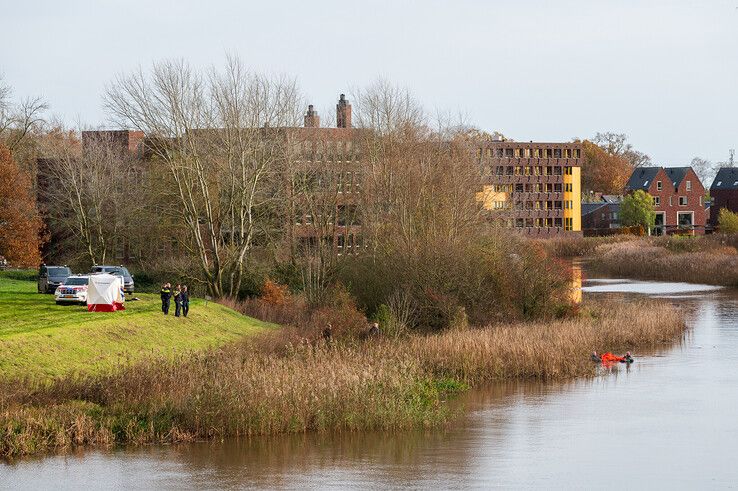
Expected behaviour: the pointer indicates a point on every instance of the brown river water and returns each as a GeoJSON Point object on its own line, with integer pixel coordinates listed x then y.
{"type": "Point", "coordinates": [669, 421]}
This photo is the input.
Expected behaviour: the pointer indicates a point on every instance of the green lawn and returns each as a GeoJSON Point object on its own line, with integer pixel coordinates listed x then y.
{"type": "Point", "coordinates": [40, 339]}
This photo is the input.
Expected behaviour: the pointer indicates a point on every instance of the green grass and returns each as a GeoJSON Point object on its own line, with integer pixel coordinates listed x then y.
{"type": "Point", "coordinates": [41, 340]}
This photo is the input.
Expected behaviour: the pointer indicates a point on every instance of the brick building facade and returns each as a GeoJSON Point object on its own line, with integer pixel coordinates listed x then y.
{"type": "Point", "coordinates": [678, 198]}
{"type": "Point", "coordinates": [532, 188]}
{"type": "Point", "coordinates": [724, 193]}
{"type": "Point", "coordinates": [324, 182]}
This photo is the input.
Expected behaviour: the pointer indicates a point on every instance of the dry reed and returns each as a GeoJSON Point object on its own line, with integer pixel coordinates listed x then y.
{"type": "Point", "coordinates": [713, 265]}
{"type": "Point", "coordinates": [265, 387]}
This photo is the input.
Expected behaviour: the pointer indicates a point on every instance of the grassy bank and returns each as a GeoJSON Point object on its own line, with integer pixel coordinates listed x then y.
{"type": "Point", "coordinates": [260, 386]}
{"type": "Point", "coordinates": [41, 340]}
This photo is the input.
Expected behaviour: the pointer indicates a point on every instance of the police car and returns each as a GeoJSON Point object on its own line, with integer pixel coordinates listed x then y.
{"type": "Point", "coordinates": [72, 290]}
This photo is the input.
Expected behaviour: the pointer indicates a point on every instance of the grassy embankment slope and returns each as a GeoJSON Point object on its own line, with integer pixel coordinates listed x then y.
{"type": "Point", "coordinates": [41, 340]}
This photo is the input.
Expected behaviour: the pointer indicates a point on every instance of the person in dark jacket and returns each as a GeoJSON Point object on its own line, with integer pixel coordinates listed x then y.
{"type": "Point", "coordinates": [166, 296]}
{"type": "Point", "coordinates": [177, 301]}
{"type": "Point", "coordinates": [185, 300]}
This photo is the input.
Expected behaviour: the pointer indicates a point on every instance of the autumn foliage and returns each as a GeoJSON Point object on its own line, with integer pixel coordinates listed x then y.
{"type": "Point", "coordinates": [20, 223]}
{"type": "Point", "coordinates": [604, 172]}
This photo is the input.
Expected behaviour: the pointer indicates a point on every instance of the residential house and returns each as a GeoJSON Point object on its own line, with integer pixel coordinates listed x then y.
{"type": "Point", "coordinates": [678, 198]}
{"type": "Point", "coordinates": [724, 193]}
{"type": "Point", "coordinates": [601, 217]}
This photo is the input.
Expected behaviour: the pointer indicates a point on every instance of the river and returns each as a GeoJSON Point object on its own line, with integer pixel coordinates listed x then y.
{"type": "Point", "coordinates": [670, 420]}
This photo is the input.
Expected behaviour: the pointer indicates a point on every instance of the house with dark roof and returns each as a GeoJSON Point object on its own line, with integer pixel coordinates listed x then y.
{"type": "Point", "coordinates": [724, 192]}
{"type": "Point", "coordinates": [601, 217]}
{"type": "Point", "coordinates": [678, 198]}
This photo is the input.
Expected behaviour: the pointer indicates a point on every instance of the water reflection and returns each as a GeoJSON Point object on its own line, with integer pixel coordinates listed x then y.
{"type": "Point", "coordinates": [670, 420]}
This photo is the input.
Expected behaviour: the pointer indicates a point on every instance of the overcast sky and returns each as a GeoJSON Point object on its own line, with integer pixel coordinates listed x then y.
{"type": "Point", "coordinates": [664, 72]}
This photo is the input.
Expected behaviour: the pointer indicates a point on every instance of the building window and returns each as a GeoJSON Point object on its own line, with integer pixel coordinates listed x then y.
{"type": "Point", "coordinates": [689, 185]}
{"type": "Point", "coordinates": [341, 242]}
{"type": "Point", "coordinates": [658, 186]}
{"type": "Point", "coordinates": [656, 201]}
{"type": "Point", "coordinates": [685, 219]}
{"type": "Point", "coordinates": [682, 201]}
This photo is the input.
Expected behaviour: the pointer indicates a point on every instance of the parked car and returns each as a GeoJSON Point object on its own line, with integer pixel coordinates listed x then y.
{"type": "Point", "coordinates": [72, 290]}
{"type": "Point", "coordinates": [122, 271]}
{"type": "Point", "coordinates": [50, 277]}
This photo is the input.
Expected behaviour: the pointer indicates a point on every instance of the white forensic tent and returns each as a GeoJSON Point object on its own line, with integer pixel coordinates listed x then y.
{"type": "Point", "coordinates": [105, 293]}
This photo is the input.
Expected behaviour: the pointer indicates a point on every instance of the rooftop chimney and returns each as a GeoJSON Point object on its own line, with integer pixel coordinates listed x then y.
{"type": "Point", "coordinates": [343, 113]}
{"type": "Point", "coordinates": [312, 120]}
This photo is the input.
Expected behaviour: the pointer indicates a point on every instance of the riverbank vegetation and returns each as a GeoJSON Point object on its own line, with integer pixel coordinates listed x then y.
{"type": "Point", "coordinates": [277, 383]}
{"type": "Point", "coordinates": [711, 259]}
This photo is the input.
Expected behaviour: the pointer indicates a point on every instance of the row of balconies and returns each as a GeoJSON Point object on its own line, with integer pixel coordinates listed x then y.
{"type": "Point", "coordinates": [515, 179]}
{"type": "Point", "coordinates": [533, 161]}
{"type": "Point", "coordinates": [534, 196]}
{"type": "Point", "coordinates": [503, 213]}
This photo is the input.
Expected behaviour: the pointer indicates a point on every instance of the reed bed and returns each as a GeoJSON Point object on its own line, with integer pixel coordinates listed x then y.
{"type": "Point", "coordinates": [707, 261]}
{"type": "Point", "coordinates": [265, 387]}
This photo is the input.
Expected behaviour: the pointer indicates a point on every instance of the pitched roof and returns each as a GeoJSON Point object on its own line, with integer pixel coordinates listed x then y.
{"type": "Point", "coordinates": [677, 174]}
{"type": "Point", "coordinates": [588, 208]}
{"type": "Point", "coordinates": [612, 198]}
{"type": "Point", "coordinates": [641, 178]}
{"type": "Point", "coordinates": [726, 178]}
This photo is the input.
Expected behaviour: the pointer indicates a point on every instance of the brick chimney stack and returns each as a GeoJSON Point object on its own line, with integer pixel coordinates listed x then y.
{"type": "Point", "coordinates": [343, 113]}
{"type": "Point", "coordinates": [312, 120]}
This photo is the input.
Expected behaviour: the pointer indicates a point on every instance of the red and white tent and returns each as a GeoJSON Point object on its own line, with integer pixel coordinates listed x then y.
{"type": "Point", "coordinates": [105, 293]}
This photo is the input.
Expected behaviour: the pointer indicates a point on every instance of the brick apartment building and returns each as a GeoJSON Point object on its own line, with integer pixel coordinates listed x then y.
{"type": "Point", "coordinates": [678, 198]}
{"type": "Point", "coordinates": [324, 180]}
{"type": "Point", "coordinates": [532, 188]}
{"type": "Point", "coordinates": [724, 193]}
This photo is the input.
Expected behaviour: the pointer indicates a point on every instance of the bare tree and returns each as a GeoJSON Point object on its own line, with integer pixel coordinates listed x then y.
{"type": "Point", "coordinates": [420, 181]}
{"type": "Point", "coordinates": [94, 192]}
{"type": "Point", "coordinates": [324, 185]}
{"type": "Point", "coordinates": [18, 120]}
{"type": "Point", "coordinates": [220, 136]}
{"type": "Point", "coordinates": [705, 170]}
{"type": "Point", "coordinates": [617, 144]}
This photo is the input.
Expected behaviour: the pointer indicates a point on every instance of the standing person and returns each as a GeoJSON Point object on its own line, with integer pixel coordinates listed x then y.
{"type": "Point", "coordinates": [166, 296]}
{"type": "Point", "coordinates": [185, 295]}
{"type": "Point", "coordinates": [177, 301]}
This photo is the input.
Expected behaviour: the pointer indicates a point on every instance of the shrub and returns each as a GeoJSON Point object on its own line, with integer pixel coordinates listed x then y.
{"type": "Point", "coordinates": [481, 281]}
{"type": "Point", "coordinates": [728, 221]}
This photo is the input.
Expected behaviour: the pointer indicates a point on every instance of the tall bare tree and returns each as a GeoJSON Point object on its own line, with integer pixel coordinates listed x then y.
{"type": "Point", "coordinates": [617, 144]}
{"type": "Point", "coordinates": [220, 137]}
{"type": "Point", "coordinates": [93, 192]}
{"type": "Point", "coordinates": [18, 119]}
